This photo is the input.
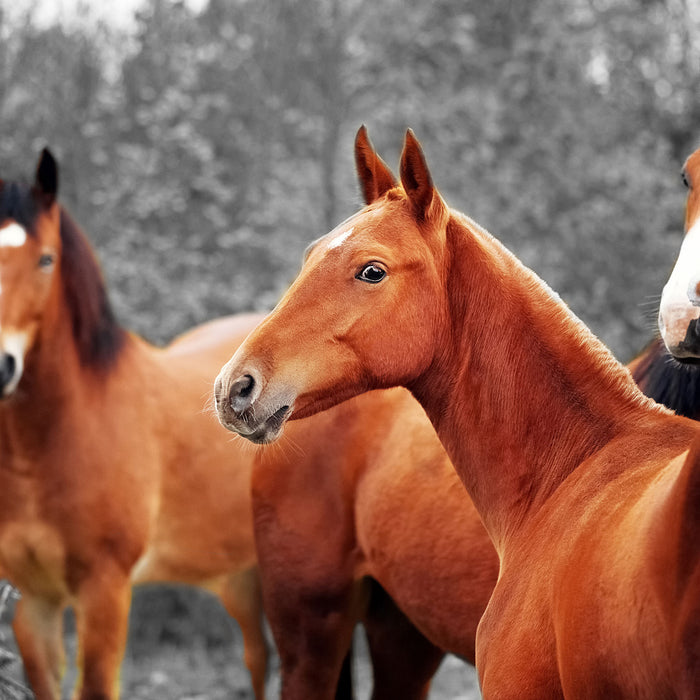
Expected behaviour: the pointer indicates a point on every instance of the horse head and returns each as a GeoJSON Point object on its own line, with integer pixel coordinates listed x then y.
{"type": "Point", "coordinates": [679, 310]}
{"type": "Point", "coordinates": [29, 251]}
{"type": "Point", "coordinates": [331, 336]}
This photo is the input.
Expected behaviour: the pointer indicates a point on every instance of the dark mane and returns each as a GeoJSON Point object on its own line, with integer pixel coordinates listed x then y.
{"type": "Point", "coordinates": [667, 381]}
{"type": "Point", "coordinates": [98, 335]}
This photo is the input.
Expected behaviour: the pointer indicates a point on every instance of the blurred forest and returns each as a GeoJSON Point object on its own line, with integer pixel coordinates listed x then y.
{"type": "Point", "coordinates": [203, 149]}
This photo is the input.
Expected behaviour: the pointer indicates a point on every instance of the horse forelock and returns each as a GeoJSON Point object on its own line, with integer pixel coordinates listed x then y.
{"type": "Point", "coordinates": [97, 334]}
{"type": "Point", "coordinates": [17, 203]}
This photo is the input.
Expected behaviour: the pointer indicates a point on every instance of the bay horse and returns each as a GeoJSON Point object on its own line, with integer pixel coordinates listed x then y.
{"type": "Point", "coordinates": [679, 309]}
{"type": "Point", "coordinates": [587, 488]}
{"type": "Point", "coordinates": [111, 471]}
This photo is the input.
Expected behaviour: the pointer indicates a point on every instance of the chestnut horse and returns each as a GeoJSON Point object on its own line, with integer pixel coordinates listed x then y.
{"type": "Point", "coordinates": [374, 469]}
{"type": "Point", "coordinates": [587, 488]}
{"type": "Point", "coordinates": [111, 471]}
{"type": "Point", "coordinates": [679, 310]}
{"type": "Point", "coordinates": [366, 490]}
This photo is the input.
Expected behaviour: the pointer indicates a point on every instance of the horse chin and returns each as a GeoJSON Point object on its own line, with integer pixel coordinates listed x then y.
{"type": "Point", "coordinates": [260, 432]}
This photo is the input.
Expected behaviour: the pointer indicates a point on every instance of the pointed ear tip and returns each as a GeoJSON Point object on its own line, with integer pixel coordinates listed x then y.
{"type": "Point", "coordinates": [411, 137]}
{"type": "Point", "coordinates": [362, 137]}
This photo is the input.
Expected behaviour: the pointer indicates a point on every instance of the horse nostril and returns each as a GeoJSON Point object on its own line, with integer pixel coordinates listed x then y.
{"type": "Point", "coordinates": [7, 368]}
{"type": "Point", "coordinates": [240, 393]}
{"type": "Point", "coordinates": [690, 345]}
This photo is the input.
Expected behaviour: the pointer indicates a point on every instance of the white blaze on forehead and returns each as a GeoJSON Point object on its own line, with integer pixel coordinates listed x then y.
{"type": "Point", "coordinates": [338, 240]}
{"type": "Point", "coordinates": [12, 236]}
{"type": "Point", "coordinates": [681, 287]}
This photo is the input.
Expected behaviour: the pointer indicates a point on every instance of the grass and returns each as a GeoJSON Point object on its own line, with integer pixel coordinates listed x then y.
{"type": "Point", "coordinates": [10, 688]}
{"type": "Point", "coordinates": [183, 646]}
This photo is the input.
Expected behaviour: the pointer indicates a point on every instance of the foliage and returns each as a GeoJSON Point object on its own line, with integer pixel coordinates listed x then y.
{"type": "Point", "coordinates": [202, 152]}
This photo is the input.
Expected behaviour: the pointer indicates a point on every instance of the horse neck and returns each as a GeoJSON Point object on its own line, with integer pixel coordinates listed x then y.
{"type": "Point", "coordinates": [56, 383]}
{"type": "Point", "coordinates": [520, 392]}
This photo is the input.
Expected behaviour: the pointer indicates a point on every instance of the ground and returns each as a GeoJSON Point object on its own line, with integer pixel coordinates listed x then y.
{"type": "Point", "coordinates": [183, 647]}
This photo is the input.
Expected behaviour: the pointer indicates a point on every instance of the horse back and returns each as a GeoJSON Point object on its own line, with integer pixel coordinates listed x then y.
{"type": "Point", "coordinates": [202, 469]}
{"type": "Point", "coordinates": [217, 338]}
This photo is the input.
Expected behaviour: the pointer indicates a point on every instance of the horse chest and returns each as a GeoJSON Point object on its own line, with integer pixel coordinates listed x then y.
{"type": "Point", "coordinates": [537, 639]}
{"type": "Point", "coordinates": [33, 555]}
{"type": "Point", "coordinates": [516, 655]}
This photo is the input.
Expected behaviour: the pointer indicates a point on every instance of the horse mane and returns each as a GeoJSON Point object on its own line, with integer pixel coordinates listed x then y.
{"type": "Point", "coordinates": [667, 381]}
{"type": "Point", "coordinates": [98, 335]}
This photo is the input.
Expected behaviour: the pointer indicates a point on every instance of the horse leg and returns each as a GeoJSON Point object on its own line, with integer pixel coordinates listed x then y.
{"type": "Point", "coordinates": [102, 614]}
{"type": "Point", "coordinates": [344, 689]}
{"type": "Point", "coordinates": [313, 635]}
{"type": "Point", "coordinates": [242, 598]}
{"type": "Point", "coordinates": [38, 628]}
{"type": "Point", "coordinates": [403, 660]}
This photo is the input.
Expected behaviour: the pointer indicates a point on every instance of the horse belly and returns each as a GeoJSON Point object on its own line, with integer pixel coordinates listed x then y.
{"type": "Point", "coordinates": [33, 555]}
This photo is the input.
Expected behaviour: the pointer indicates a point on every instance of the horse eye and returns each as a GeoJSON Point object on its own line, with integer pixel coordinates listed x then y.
{"type": "Point", "coordinates": [371, 273]}
{"type": "Point", "coordinates": [684, 177]}
{"type": "Point", "coordinates": [46, 260]}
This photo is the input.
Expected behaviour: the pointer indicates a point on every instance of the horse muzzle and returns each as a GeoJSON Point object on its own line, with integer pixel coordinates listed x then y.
{"type": "Point", "coordinates": [10, 370]}
{"type": "Point", "coordinates": [679, 325]}
{"type": "Point", "coordinates": [243, 408]}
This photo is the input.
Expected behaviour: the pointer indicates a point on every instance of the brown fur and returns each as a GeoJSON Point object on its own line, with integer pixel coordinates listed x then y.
{"type": "Point", "coordinates": [112, 469]}
{"type": "Point", "coordinates": [365, 489]}
{"type": "Point", "coordinates": [581, 481]}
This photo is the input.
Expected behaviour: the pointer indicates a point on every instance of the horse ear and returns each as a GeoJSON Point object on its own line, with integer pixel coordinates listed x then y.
{"type": "Point", "coordinates": [416, 178]}
{"type": "Point", "coordinates": [374, 174]}
{"type": "Point", "coordinates": [46, 180]}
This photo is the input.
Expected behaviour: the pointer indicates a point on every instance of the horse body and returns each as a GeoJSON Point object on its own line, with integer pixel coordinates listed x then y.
{"type": "Point", "coordinates": [346, 496]}
{"type": "Point", "coordinates": [111, 469]}
{"type": "Point", "coordinates": [585, 486]}
{"type": "Point", "coordinates": [593, 622]}
{"type": "Point", "coordinates": [195, 460]}
{"type": "Point", "coordinates": [558, 506]}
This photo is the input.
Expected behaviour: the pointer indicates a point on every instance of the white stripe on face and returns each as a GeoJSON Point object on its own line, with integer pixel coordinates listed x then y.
{"type": "Point", "coordinates": [680, 299]}
{"type": "Point", "coordinates": [681, 287]}
{"type": "Point", "coordinates": [340, 239]}
{"type": "Point", "coordinates": [14, 343]}
{"type": "Point", "coordinates": [12, 236]}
